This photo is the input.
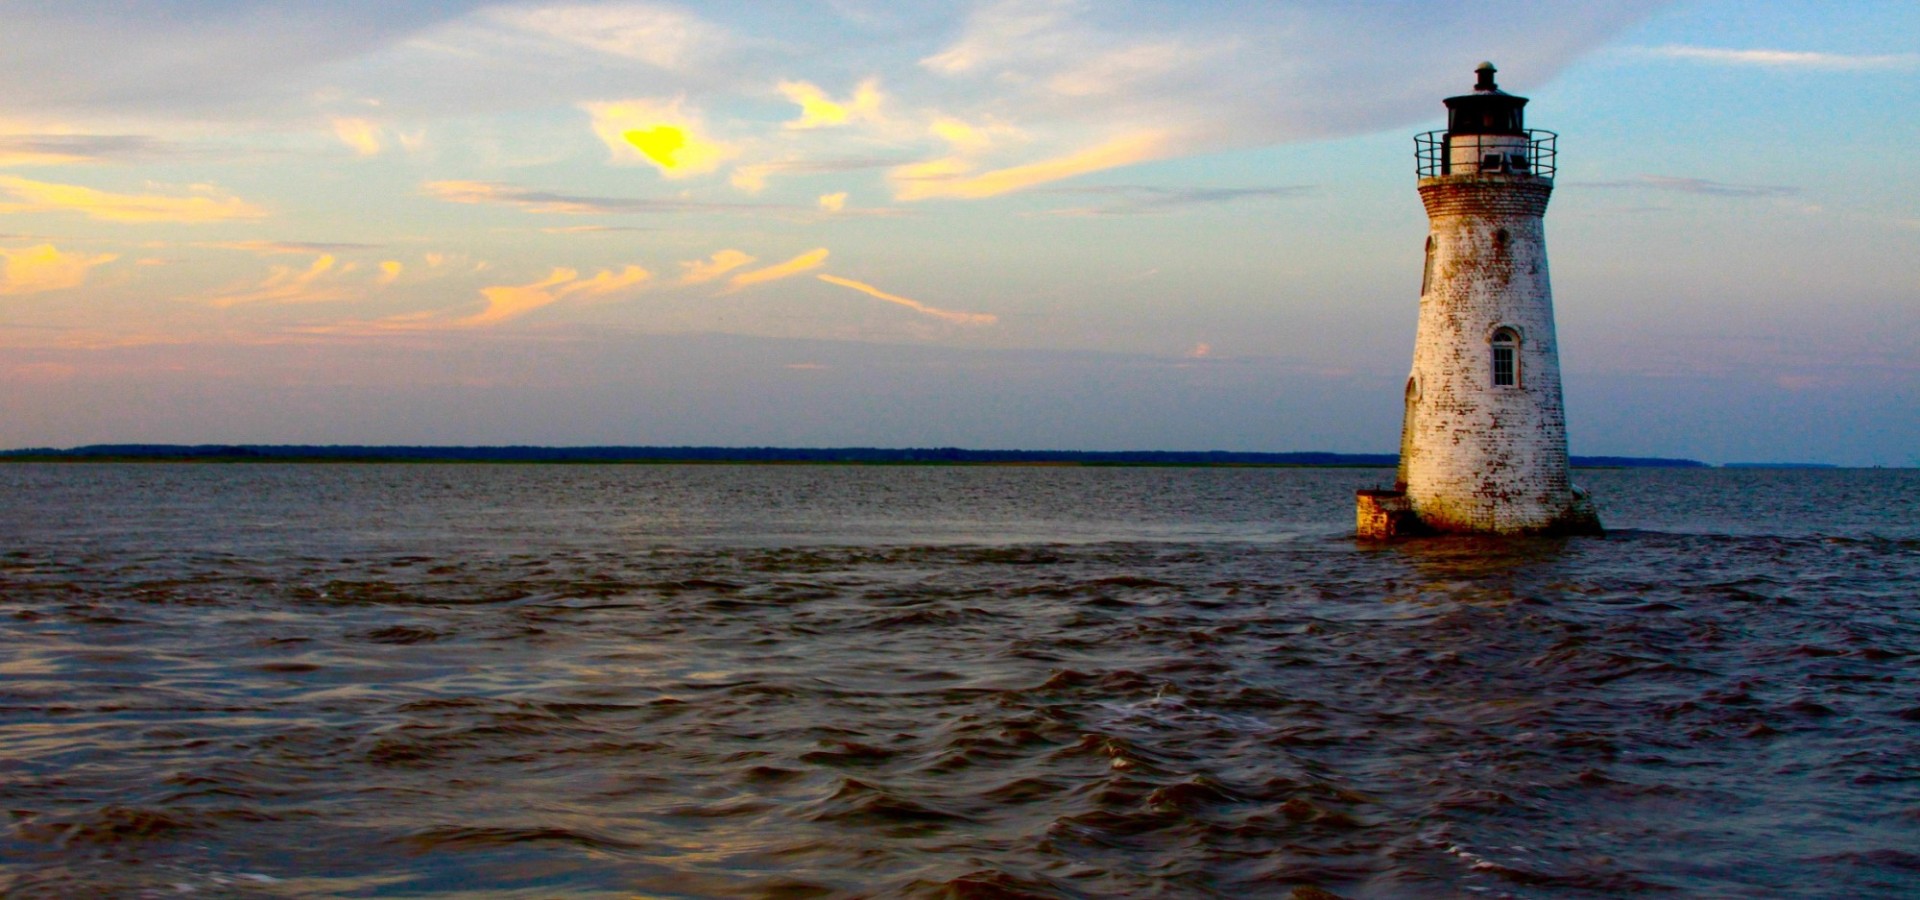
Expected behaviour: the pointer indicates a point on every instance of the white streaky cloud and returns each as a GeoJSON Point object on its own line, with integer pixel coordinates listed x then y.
{"type": "Point", "coordinates": [996, 31]}
{"type": "Point", "coordinates": [192, 63]}
{"type": "Point", "coordinates": [44, 267]}
{"type": "Point", "coordinates": [655, 34]}
{"type": "Point", "coordinates": [361, 135]}
{"type": "Point", "coordinates": [1122, 70]}
{"type": "Point", "coordinates": [948, 315]}
{"type": "Point", "coordinates": [1055, 47]}
{"type": "Point", "coordinates": [1785, 59]}
{"type": "Point", "coordinates": [1250, 72]}
{"type": "Point", "coordinates": [833, 203]}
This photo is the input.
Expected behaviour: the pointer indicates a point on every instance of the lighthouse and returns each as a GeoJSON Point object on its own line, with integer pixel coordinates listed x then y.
{"type": "Point", "coordinates": [1483, 441]}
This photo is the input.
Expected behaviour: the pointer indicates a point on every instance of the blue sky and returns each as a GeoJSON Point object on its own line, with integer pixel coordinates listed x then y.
{"type": "Point", "coordinates": [1024, 223]}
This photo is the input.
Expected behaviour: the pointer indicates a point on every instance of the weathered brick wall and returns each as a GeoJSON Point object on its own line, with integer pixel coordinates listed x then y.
{"type": "Point", "coordinates": [1484, 457]}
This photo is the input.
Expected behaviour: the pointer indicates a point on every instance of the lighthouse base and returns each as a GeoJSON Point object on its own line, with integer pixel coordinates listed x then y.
{"type": "Point", "coordinates": [1384, 515]}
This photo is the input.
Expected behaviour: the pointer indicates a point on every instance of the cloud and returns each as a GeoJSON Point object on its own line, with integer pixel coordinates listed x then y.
{"type": "Point", "coordinates": [506, 302]}
{"type": "Point", "coordinates": [1139, 200]}
{"type": "Point", "coordinates": [593, 229]}
{"type": "Point", "coordinates": [34, 270]}
{"type": "Point", "coordinates": [948, 178]}
{"type": "Point", "coordinates": [1249, 72]}
{"type": "Point", "coordinates": [363, 136]}
{"type": "Point", "coordinates": [389, 272]}
{"type": "Point", "coordinates": [701, 271]}
{"type": "Point", "coordinates": [1700, 186]}
{"type": "Point", "coordinates": [74, 149]}
{"type": "Point", "coordinates": [608, 282]}
{"type": "Point", "coordinates": [196, 61]}
{"type": "Point", "coordinates": [285, 284]}
{"type": "Point", "coordinates": [276, 248]}
{"type": "Point", "coordinates": [575, 204]}
{"type": "Point", "coordinates": [1784, 59]}
{"type": "Point", "coordinates": [659, 36]}
{"type": "Point", "coordinates": [817, 110]}
{"type": "Point", "coordinates": [754, 177]}
{"type": "Point", "coordinates": [205, 205]}
{"type": "Point", "coordinates": [808, 261]}
{"type": "Point", "coordinates": [958, 318]}
{"type": "Point", "coordinates": [833, 203]}
{"type": "Point", "coordinates": [658, 134]}
{"type": "Point", "coordinates": [994, 32]}
{"type": "Point", "coordinates": [969, 139]}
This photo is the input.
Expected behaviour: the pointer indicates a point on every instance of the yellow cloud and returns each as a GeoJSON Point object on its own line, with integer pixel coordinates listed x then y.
{"type": "Point", "coordinates": [659, 135]}
{"type": "Point", "coordinates": [833, 203]}
{"type": "Point", "coordinates": [463, 191]}
{"type": "Point", "coordinates": [508, 301]}
{"type": "Point", "coordinates": [959, 318]}
{"type": "Point", "coordinates": [750, 178]}
{"type": "Point", "coordinates": [700, 271]}
{"type": "Point", "coordinates": [10, 157]}
{"type": "Point", "coordinates": [205, 206]}
{"type": "Point", "coordinates": [946, 177]}
{"type": "Point", "coordinates": [285, 284]}
{"type": "Point", "coordinates": [513, 301]}
{"type": "Point", "coordinates": [965, 138]}
{"type": "Point", "coordinates": [34, 270]}
{"type": "Point", "coordinates": [363, 136]}
{"type": "Point", "coordinates": [807, 261]}
{"type": "Point", "coordinates": [389, 272]}
{"type": "Point", "coordinates": [608, 282]}
{"type": "Point", "coordinates": [817, 110]}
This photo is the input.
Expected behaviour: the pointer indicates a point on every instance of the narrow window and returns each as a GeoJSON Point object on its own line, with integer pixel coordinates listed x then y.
{"type": "Point", "coordinates": [1490, 162]}
{"type": "Point", "coordinates": [1506, 358]}
{"type": "Point", "coordinates": [1426, 274]}
{"type": "Point", "coordinates": [1517, 162]}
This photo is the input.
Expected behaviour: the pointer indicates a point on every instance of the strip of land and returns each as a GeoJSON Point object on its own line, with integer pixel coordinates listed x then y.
{"type": "Point", "coordinates": [815, 455]}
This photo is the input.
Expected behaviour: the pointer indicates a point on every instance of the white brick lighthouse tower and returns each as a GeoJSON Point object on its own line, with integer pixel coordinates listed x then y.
{"type": "Point", "coordinates": [1483, 446]}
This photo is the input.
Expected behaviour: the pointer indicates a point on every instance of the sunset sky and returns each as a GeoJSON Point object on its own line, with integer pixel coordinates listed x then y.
{"type": "Point", "coordinates": [1071, 224]}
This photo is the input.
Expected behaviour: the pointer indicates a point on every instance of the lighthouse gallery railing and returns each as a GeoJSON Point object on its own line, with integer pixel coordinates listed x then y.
{"type": "Point", "coordinates": [1494, 153]}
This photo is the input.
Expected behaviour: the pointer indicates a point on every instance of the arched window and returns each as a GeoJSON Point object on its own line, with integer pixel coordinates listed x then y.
{"type": "Point", "coordinates": [1506, 358]}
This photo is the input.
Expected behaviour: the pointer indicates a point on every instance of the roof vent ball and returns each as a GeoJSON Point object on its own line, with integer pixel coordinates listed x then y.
{"type": "Point", "coordinates": [1485, 70]}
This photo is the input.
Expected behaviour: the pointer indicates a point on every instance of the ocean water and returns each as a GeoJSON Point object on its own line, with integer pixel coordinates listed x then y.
{"type": "Point", "coordinates": [789, 682]}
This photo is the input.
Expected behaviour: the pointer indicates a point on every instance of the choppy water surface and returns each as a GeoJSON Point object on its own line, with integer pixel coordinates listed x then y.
{"type": "Point", "coordinates": [283, 680]}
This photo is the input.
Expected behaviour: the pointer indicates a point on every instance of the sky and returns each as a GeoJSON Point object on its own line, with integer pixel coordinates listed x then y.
{"type": "Point", "coordinates": [1040, 224]}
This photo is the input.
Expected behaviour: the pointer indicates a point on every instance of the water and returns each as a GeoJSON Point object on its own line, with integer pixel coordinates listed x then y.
{"type": "Point", "coordinates": [785, 682]}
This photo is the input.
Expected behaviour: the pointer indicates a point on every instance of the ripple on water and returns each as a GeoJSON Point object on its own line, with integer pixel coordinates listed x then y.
{"type": "Point", "coordinates": [520, 680]}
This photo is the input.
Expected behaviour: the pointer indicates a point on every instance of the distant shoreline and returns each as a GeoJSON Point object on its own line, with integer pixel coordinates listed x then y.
{"type": "Point", "coordinates": [646, 455]}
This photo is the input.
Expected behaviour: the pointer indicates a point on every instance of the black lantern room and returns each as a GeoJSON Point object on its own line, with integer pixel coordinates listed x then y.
{"type": "Point", "coordinates": [1488, 110]}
